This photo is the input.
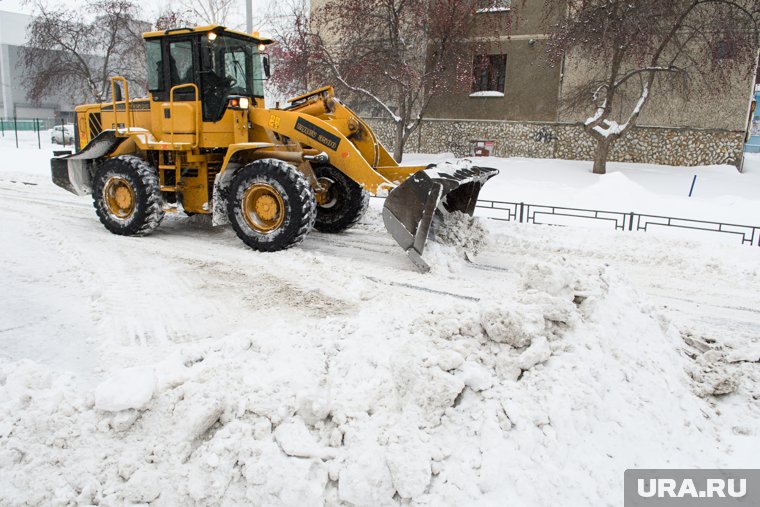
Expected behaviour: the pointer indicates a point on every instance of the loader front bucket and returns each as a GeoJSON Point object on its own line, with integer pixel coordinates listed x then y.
{"type": "Point", "coordinates": [410, 208]}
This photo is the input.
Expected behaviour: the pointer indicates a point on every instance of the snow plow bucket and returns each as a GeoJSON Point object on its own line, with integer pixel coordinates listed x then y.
{"type": "Point", "coordinates": [73, 172]}
{"type": "Point", "coordinates": [411, 207]}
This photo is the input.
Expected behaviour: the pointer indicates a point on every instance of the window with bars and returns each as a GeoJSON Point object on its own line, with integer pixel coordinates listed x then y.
{"type": "Point", "coordinates": [489, 73]}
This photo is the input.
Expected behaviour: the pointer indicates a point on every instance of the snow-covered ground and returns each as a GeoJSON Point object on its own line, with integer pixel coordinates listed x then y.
{"type": "Point", "coordinates": [183, 368]}
{"type": "Point", "coordinates": [721, 193]}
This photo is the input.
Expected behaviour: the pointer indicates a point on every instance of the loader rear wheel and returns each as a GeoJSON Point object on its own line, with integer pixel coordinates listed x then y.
{"type": "Point", "coordinates": [342, 204]}
{"type": "Point", "coordinates": [127, 196]}
{"type": "Point", "coordinates": [271, 205]}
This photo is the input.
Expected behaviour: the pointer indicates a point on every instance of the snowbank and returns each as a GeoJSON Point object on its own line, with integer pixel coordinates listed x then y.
{"type": "Point", "coordinates": [721, 193]}
{"type": "Point", "coordinates": [336, 374]}
{"type": "Point", "coordinates": [544, 395]}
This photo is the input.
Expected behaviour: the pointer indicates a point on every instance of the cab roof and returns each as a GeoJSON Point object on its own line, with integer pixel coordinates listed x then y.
{"type": "Point", "coordinates": [218, 29]}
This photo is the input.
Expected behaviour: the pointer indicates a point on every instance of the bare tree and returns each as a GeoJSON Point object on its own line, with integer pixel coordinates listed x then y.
{"type": "Point", "coordinates": [171, 18]}
{"type": "Point", "coordinates": [633, 45]}
{"type": "Point", "coordinates": [397, 54]}
{"type": "Point", "coordinates": [293, 54]}
{"type": "Point", "coordinates": [208, 11]}
{"type": "Point", "coordinates": [66, 55]}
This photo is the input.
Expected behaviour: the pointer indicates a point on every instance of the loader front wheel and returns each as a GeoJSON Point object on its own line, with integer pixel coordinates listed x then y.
{"type": "Point", "coordinates": [271, 205]}
{"type": "Point", "coordinates": [343, 202]}
{"type": "Point", "coordinates": [127, 196]}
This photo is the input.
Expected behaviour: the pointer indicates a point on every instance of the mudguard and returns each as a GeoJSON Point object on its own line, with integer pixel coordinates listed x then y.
{"type": "Point", "coordinates": [74, 172]}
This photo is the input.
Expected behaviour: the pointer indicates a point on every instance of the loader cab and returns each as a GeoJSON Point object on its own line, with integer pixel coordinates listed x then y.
{"type": "Point", "coordinates": [216, 63]}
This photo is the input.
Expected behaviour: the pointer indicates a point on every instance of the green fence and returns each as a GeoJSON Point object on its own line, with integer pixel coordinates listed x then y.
{"type": "Point", "coordinates": [40, 126]}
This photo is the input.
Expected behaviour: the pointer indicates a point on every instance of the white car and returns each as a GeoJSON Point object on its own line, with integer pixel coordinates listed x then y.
{"type": "Point", "coordinates": [62, 134]}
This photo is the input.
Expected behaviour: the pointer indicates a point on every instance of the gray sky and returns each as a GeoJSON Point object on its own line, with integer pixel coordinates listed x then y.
{"type": "Point", "coordinates": [151, 8]}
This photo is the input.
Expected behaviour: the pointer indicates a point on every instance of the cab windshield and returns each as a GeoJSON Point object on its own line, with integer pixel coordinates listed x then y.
{"type": "Point", "coordinates": [237, 62]}
{"type": "Point", "coordinates": [231, 66]}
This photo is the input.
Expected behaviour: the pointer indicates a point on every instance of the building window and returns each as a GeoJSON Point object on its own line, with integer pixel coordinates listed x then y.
{"type": "Point", "coordinates": [494, 5]}
{"type": "Point", "coordinates": [489, 74]}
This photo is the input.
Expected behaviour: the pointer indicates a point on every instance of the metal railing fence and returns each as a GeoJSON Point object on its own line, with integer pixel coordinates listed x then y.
{"type": "Point", "coordinates": [622, 221]}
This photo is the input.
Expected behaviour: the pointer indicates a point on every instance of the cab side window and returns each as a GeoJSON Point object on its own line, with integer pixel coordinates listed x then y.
{"type": "Point", "coordinates": [181, 63]}
{"type": "Point", "coordinates": [155, 65]}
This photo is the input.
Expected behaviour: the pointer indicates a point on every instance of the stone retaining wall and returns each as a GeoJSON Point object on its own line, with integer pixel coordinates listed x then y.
{"type": "Point", "coordinates": [654, 145]}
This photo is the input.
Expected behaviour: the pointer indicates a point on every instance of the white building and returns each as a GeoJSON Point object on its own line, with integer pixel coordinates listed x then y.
{"type": "Point", "coordinates": [13, 101]}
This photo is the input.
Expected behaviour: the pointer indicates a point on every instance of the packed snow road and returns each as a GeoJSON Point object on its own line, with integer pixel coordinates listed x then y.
{"type": "Point", "coordinates": [184, 368]}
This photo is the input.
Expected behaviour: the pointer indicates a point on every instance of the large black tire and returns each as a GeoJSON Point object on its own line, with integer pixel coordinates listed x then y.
{"type": "Point", "coordinates": [345, 203]}
{"type": "Point", "coordinates": [288, 208]}
{"type": "Point", "coordinates": [127, 174]}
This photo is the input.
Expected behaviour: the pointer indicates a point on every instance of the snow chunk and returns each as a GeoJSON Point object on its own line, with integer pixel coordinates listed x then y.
{"type": "Point", "coordinates": [449, 360]}
{"type": "Point", "coordinates": [538, 352]}
{"type": "Point", "coordinates": [475, 376]}
{"type": "Point", "coordinates": [552, 279]}
{"type": "Point", "coordinates": [409, 463]}
{"type": "Point", "coordinates": [366, 479]}
{"type": "Point", "coordinates": [442, 259]}
{"type": "Point", "coordinates": [424, 391]}
{"type": "Point", "coordinates": [125, 389]}
{"type": "Point", "coordinates": [515, 325]}
{"type": "Point", "coordinates": [313, 408]}
{"type": "Point", "coordinates": [143, 486]}
{"type": "Point", "coordinates": [462, 231]}
{"type": "Point", "coordinates": [295, 440]}
{"type": "Point", "coordinates": [196, 414]}
{"type": "Point", "coordinates": [750, 354]}
{"type": "Point", "coordinates": [26, 376]}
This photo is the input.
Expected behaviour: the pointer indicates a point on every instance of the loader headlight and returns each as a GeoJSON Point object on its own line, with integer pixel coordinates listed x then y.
{"type": "Point", "coordinates": [212, 36]}
{"type": "Point", "coordinates": [239, 103]}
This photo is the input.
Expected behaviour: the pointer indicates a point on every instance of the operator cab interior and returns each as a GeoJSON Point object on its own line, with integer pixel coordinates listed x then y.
{"type": "Point", "coordinates": [223, 64]}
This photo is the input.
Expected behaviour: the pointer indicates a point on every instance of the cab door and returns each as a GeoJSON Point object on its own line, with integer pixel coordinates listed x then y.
{"type": "Point", "coordinates": [181, 106]}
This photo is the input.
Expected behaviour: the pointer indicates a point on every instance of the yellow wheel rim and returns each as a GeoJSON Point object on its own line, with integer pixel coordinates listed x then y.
{"type": "Point", "coordinates": [325, 198]}
{"type": "Point", "coordinates": [263, 208]}
{"type": "Point", "coordinates": [119, 198]}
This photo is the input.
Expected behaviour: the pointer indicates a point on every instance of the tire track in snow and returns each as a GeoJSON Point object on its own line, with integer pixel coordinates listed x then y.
{"type": "Point", "coordinates": [112, 281]}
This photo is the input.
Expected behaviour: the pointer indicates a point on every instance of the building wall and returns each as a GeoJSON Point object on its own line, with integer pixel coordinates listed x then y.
{"type": "Point", "coordinates": [532, 119]}
{"type": "Point", "coordinates": [532, 84]}
{"type": "Point", "coordinates": [13, 101]}
{"type": "Point", "coordinates": [727, 110]}
{"type": "Point", "coordinates": [531, 90]}
{"type": "Point", "coordinates": [535, 88]}
{"type": "Point", "coordinates": [655, 145]}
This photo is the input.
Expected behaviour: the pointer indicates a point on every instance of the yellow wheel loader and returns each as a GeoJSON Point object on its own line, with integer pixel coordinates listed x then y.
{"type": "Point", "coordinates": [203, 142]}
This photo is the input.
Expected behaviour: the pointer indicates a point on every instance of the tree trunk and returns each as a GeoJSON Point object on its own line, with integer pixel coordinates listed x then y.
{"type": "Point", "coordinates": [398, 146]}
{"type": "Point", "coordinates": [600, 157]}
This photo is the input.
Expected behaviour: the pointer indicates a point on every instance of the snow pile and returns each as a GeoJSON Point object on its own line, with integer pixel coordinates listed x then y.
{"type": "Point", "coordinates": [127, 389]}
{"type": "Point", "coordinates": [462, 231]}
{"type": "Point", "coordinates": [442, 259]}
{"type": "Point", "coordinates": [454, 238]}
{"type": "Point", "coordinates": [567, 380]}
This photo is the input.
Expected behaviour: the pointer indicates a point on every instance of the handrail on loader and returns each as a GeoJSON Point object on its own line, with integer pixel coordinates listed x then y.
{"type": "Point", "coordinates": [114, 102]}
{"type": "Point", "coordinates": [196, 123]}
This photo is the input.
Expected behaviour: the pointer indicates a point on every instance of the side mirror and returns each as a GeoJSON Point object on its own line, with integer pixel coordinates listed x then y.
{"type": "Point", "coordinates": [118, 97]}
{"type": "Point", "coordinates": [267, 68]}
